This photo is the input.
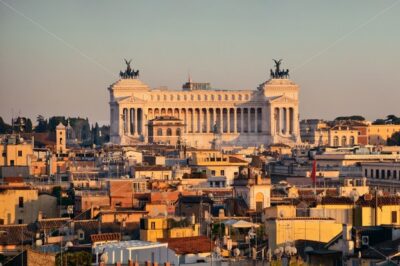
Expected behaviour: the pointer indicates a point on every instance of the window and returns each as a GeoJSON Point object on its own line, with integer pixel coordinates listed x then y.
{"type": "Point", "coordinates": [222, 172]}
{"type": "Point", "coordinates": [336, 141]}
{"type": "Point", "coordinates": [366, 172]}
{"type": "Point", "coordinates": [20, 221]}
{"type": "Point", "coordinates": [81, 235]}
{"type": "Point", "coordinates": [178, 131]}
{"type": "Point", "coordinates": [372, 173]}
{"type": "Point", "coordinates": [11, 162]}
{"type": "Point", "coordinates": [19, 153]}
{"type": "Point", "coordinates": [344, 141]}
{"type": "Point", "coordinates": [3, 154]}
{"type": "Point", "coordinates": [394, 217]}
{"type": "Point", "coordinates": [60, 140]}
{"type": "Point", "coordinates": [153, 225]}
{"type": "Point", "coordinates": [159, 132]}
{"type": "Point", "coordinates": [169, 132]}
{"type": "Point", "coordinates": [21, 202]}
{"type": "Point", "coordinates": [212, 172]}
{"type": "Point", "coordinates": [377, 173]}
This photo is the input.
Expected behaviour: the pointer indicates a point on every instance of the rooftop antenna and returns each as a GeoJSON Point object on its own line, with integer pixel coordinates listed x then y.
{"type": "Point", "coordinates": [189, 77]}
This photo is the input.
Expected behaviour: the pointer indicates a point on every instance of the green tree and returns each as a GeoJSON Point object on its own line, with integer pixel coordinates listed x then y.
{"type": "Point", "coordinates": [55, 120]}
{"type": "Point", "coordinates": [80, 258]}
{"type": "Point", "coordinates": [28, 125]}
{"type": "Point", "coordinates": [4, 127]}
{"type": "Point", "coordinates": [394, 140]}
{"type": "Point", "coordinates": [42, 125]}
{"type": "Point", "coordinates": [353, 117]}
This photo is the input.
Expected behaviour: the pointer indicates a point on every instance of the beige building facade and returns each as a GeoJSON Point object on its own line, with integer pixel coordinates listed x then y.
{"type": "Point", "coordinates": [241, 117]}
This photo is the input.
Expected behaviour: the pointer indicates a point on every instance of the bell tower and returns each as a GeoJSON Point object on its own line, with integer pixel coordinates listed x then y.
{"type": "Point", "coordinates": [61, 139]}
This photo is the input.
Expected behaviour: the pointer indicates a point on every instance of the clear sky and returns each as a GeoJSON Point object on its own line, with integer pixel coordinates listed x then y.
{"type": "Point", "coordinates": [59, 57]}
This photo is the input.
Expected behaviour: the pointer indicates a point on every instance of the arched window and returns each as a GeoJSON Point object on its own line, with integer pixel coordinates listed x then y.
{"type": "Point", "coordinates": [226, 97]}
{"type": "Point", "coordinates": [169, 132]}
{"type": "Point", "coordinates": [191, 97]}
{"type": "Point", "coordinates": [247, 97]}
{"type": "Point", "coordinates": [60, 140]}
{"type": "Point", "coordinates": [212, 97]}
{"type": "Point", "coordinates": [171, 97]}
{"type": "Point", "coordinates": [165, 97]}
{"type": "Point", "coordinates": [336, 141]}
{"type": "Point", "coordinates": [178, 97]}
{"type": "Point", "coordinates": [240, 97]}
{"type": "Point", "coordinates": [178, 131]}
{"type": "Point", "coordinates": [158, 97]}
{"type": "Point", "coordinates": [233, 97]}
{"type": "Point", "coordinates": [344, 141]}
{"type": "Point", "coordinates": [185, 97]}
{"type": "Point", "coordinates": [352, 141]}
{"type": "Point", "coordinates": [383, 174]}
{"type": "Point", "coordinates": [159, 132]}
{"type": "Point", "coordinates": [205, 98]}
{"type": "Point", "coordinates": [199, 97]}
{"type": "Point", "coordinates": [219, 97]}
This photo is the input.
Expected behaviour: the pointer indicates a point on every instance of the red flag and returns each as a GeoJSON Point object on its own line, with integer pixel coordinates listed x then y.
{"type": "Point", "coordinates": [314, 172]}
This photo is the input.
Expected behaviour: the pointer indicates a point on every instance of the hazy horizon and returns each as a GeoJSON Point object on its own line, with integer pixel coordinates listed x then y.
{"type": "Point", "coordinates": [60, 58]}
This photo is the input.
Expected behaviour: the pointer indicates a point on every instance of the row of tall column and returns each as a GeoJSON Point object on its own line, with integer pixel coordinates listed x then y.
{"type": "Point", "coordinates": [209, 120]}
{"type": "Point", "coordinates": [284, 120]}
{"type": "Point", "coordinates": [132, 121]}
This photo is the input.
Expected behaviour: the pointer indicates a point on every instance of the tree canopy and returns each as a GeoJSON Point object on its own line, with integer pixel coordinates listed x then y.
{"type": "Point", "coordinates": [353, 117]}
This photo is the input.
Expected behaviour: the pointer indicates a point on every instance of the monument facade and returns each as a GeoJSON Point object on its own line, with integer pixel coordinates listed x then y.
{"type": "Point", "coordinates": [267, 115]}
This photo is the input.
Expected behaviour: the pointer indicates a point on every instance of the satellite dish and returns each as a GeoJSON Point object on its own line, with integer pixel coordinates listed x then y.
{"type": "Point", "coordinates": [277, 251]}
{"type": "Point", "coordinates": [354, 195]}
{"type": "Point", "coordinates": [236, 252]}
{"type": "Point", "coordinates": [104, 257]}
{"type": "Point", "coordinates": [288, 249]}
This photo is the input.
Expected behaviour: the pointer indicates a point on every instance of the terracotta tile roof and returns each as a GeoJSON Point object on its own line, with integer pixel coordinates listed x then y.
{"type": "Point", "coordinates": [336, 200]}
{"type": "Point", "coordinates": [195, 199]}
{"type": "Point", "coordinates": [105, 237]}
{"type": "Point", "coordinates": [53, 223]}
{"type": "Point", "coordinates": [383, 200]}
{"type": "Point", "coordinates": [15, 234]}
{"type": "Point", "coordinates": [233, 159]}
{"type": "Point", "coordinates": [161, 197]}
{"type": "Point", "coordinates": [152, 168]}
{"type": "Point", "coordinates": [189, 245]}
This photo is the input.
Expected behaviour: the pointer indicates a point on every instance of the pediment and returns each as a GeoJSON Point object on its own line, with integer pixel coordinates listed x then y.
{"type": "Point", "coordinates": [129, 99]}
{"type": "Point", "coordinates": [282, 99]}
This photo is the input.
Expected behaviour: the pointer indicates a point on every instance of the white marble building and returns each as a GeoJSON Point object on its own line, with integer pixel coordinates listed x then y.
{"type": "Point", "coordinates": [269, 114]}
